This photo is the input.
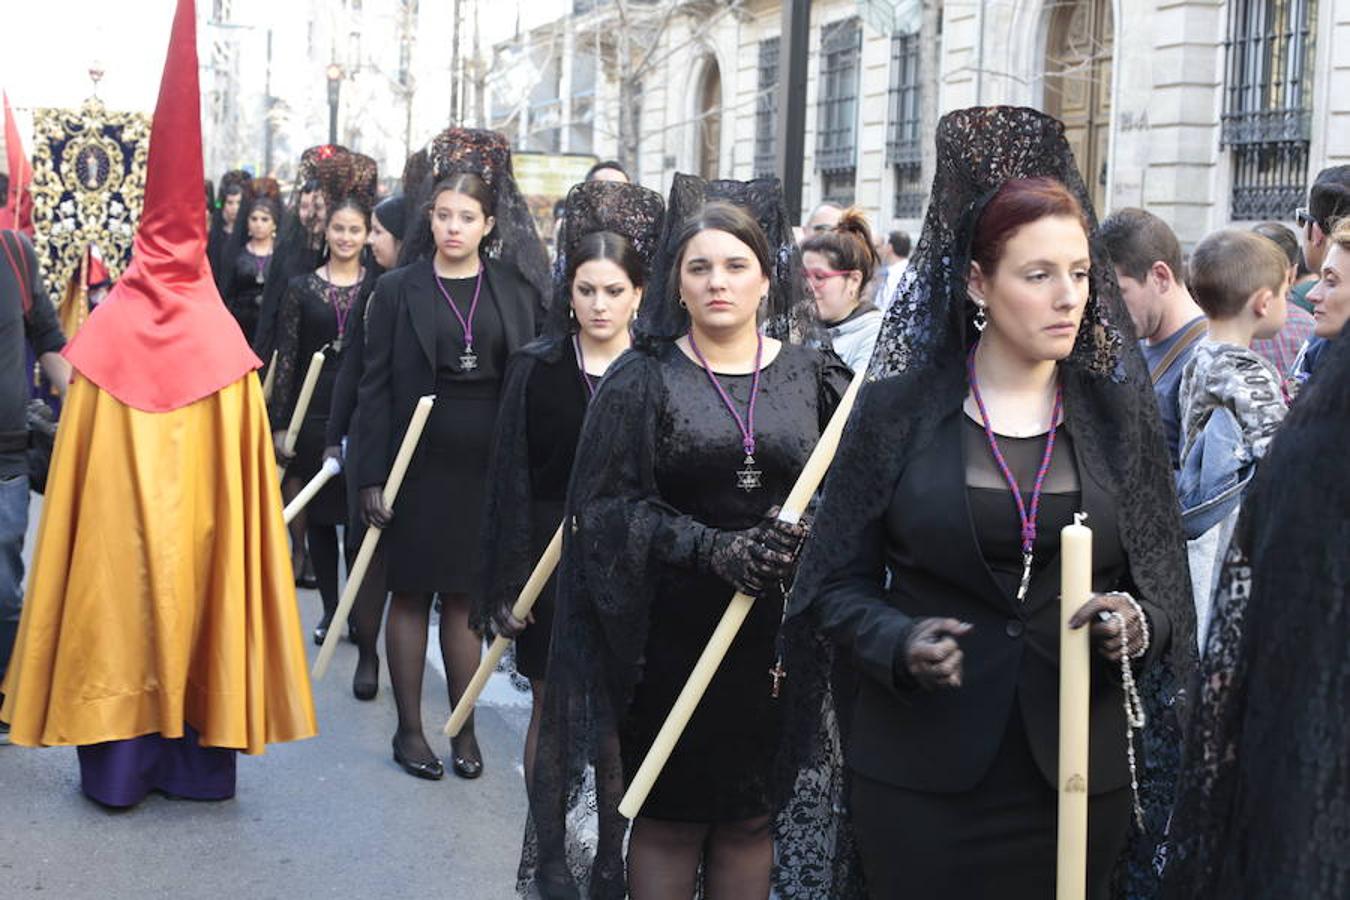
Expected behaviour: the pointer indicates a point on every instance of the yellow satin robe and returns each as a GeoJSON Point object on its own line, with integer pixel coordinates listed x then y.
{"type": "Point", "coordinates": [161, 589]}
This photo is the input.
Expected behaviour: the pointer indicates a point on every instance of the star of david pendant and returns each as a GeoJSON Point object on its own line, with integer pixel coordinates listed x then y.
{"type": "Point", "coordinates": [749, 478]}
{"type": "Point", "coordinates": [336, 345]}
{"type": "Point", "coordinates": [468, 360]}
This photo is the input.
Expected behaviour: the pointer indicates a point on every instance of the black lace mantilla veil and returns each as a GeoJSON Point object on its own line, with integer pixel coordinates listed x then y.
{"type": "Point", "coordinates": [1263, 808]}
{"type": "Point", "coordinates": [917, 376]}
{"type": "Point", "coordinates": [574, 843]}
{"type": "Point", "coordinates": [788, 315]}
{"type": "Point", "coordinates": [487, 154]}
{"type": "Point", "coordinates": [627, 209]}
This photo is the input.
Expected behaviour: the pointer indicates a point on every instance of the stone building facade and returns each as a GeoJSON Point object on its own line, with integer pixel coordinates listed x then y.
{"type": "Point", "coordinates": [1205, 111]}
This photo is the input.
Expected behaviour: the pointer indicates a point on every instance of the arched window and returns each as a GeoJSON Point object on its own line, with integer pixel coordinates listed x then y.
{"type": "Point", "coordinates": [709, 146]}
{"type": "Point", "coordinates": [1078, 57]}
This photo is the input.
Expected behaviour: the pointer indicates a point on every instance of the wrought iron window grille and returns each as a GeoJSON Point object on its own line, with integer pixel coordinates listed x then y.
{"type": "Point", "coordinates": [766, 109]}
{"type": "Point", "coordinates": [837, 107]}
{"type": "Point", "coordinates": [1267, 117]}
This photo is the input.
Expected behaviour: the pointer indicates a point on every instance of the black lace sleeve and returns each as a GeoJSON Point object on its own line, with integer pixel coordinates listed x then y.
{"type": "Point", "coordinates": [349, 372]}
{"type": "Point", "coordinates": [506, 544]}
{"type": "Point", "coordinates": [1205, 794]}
{"type": "Point", "coordinates": [599, 632]}
{"type": "Point", "coordinates": [286, 387]}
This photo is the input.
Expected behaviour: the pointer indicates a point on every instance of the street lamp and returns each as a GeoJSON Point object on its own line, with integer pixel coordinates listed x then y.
{"type": "Point", "coordinates": [334, 73]}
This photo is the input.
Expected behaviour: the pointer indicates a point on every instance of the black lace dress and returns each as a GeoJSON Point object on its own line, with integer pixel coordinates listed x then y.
{"type": "Point", "coordinates": [721, 768]}
{"type": "Point", "coordinates": [244, 289]}
{"type": "Point", "coordinates": [312, 315]}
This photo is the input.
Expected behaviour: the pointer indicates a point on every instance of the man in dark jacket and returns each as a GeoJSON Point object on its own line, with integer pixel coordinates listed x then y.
{"type": "Point", "coordinates": [25, 314]}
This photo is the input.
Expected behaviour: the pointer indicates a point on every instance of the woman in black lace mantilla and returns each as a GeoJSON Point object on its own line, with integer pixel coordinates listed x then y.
{"type": "Point", "coordinates": [316, 314]}
{"type": "Point", "coordinates": [692, 439]}
{"type": "Point", "coordinates": [608, 236]}
{"type": "Point", "coordinates": [1005, 363]}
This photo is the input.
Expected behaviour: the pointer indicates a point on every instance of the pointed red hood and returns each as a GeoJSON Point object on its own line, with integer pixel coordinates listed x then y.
{"type": "Point", "coordinates": [17, 213]}
{"type": "Point", "coordinates": [163, 339]}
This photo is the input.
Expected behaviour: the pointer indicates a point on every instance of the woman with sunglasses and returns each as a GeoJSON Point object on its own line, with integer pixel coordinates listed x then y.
{"type": "Point", "coordinates": [838, 265]}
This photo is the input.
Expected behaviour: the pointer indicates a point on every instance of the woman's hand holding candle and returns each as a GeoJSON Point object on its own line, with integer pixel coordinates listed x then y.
{"type": "Point", "coordinates": [1105, 629]}
{"type": "Point", "coordinates": [284, 457]}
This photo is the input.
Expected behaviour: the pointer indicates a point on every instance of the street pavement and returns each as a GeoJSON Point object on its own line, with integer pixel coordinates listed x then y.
{"type": "Point", "coordinates": [329, 817]}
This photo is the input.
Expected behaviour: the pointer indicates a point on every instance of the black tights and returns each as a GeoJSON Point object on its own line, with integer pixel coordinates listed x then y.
{"type": "Point", "coordinates": [367, 614]}
{"type": "Point", "coordinates": [323, 553]}
{"type": "Point", "coordinates": [664, 857]}
{"type": "Point", "coordinates": [405, 643]}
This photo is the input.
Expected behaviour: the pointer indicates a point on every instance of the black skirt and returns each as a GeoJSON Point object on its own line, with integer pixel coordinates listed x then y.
{"type": "Point", "coordinates": [432, 542]}
{"type": "Point", "coordinates": [329, 506]}
{"type": "Point", "coordinates": [721, 768]}
{"type": "Point", "coordinates": [996, 842]}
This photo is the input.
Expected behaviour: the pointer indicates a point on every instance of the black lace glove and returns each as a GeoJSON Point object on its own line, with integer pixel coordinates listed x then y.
{"type": "Point", "coordinates": [755, 559]}
{"type": "Point", "coordinates": [930, 656]}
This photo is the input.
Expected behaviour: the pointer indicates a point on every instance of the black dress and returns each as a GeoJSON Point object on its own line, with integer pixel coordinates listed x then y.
{"type": "Point", "coordinates": [314, 316]}
{"type": "Point", "coordinates": [555, 404]}
{"type": "Point", "coordinates": [432, 542]}
{"type": "Point", "coordinates": [244, 290]}
{"type": "Point", "coordinates": [721, 767]}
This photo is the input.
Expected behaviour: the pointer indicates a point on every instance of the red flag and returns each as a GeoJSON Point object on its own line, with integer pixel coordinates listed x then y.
{"type": "Point", "coordinates": [17, 212]}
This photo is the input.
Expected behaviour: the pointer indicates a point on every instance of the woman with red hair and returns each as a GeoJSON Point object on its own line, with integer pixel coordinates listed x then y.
{"type": "Point", "coordinates": [1007, 395]}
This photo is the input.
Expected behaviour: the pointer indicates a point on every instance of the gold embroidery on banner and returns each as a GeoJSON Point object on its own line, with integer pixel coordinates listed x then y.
{"type": "Point", "coordinates": [88, 186]}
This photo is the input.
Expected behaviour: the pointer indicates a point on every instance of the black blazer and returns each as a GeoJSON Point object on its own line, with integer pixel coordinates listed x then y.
{"type": "Point", "coordinates": [399, 358]}
{"type": "Point", "coordinates": [348, 376]}
{"type": "Point", "coordinates": [946, 740]}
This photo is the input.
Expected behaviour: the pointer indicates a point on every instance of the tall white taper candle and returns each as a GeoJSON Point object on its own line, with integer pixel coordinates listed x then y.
{"type": "Point", "coordinates": [301, 407]}
{"type": "Point", "coordinates": [1074, 691]}
{"type": "Point", "coordinates": [372, 538]}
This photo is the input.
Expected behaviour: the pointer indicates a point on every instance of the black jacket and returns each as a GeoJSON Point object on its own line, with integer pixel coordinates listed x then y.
{"type": "Point", "coordinates": [399, 359]}
{"type": "Point", "coordinates": [946, 740]}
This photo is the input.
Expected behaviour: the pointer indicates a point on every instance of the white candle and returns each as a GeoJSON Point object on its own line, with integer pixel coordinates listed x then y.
{"type": "Point", "coordinates": [488, 664]}
{"type": "Point", "coordinates": [1074, 688]}
{"type": "Point", "coordinates": [301, 407]}
{"type": "Point", "coordinates": [270, 378]}
{"type": "Point", "coordinates": [331, 467]}
{"type": "Point", "coordinates": [357, 574]}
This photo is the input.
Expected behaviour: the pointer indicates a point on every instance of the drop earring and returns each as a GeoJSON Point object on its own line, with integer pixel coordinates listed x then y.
{"type": "Point", "coordinates": [981, 318]}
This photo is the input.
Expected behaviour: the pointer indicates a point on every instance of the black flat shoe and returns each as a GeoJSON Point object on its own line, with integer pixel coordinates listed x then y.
{"type": "Point", "coordinates": [466, 766]}
{"type": "Point", "coordinates": [321, 630]}
{"type": "Point", "coordinates": [431, 771]}
{"type": "Point", "coordinates": [307, 579]}
{"type": "Point", "coordinates": [366, 681]}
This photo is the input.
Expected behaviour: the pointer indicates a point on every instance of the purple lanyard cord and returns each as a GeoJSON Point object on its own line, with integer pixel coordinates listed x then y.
{"type": "Point", "coordinates": [746, 425]}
